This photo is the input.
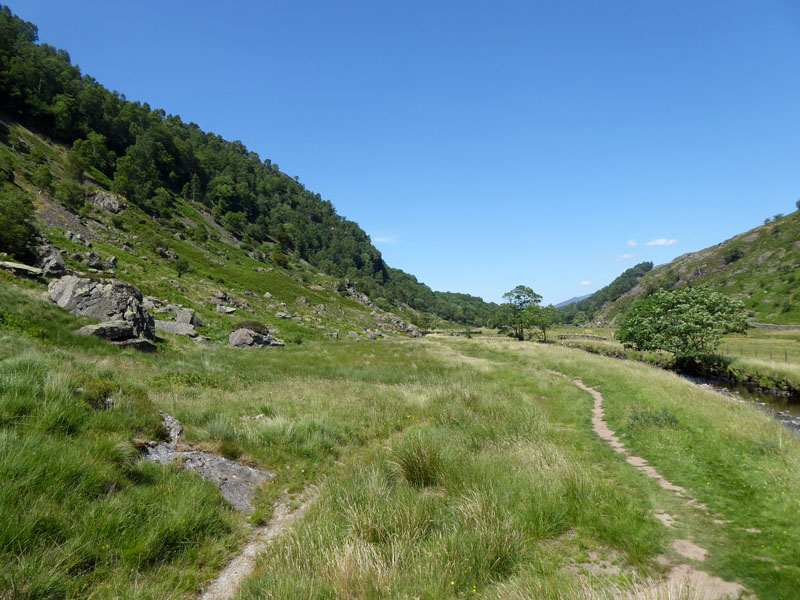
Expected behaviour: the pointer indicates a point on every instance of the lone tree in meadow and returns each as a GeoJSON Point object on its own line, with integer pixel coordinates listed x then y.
{"type": "Point", "coordinates": [543, 317]}
{"type": "Point", "coordinates": [512, 316]}
{"type": "Point", "coordinates": [688, 322]}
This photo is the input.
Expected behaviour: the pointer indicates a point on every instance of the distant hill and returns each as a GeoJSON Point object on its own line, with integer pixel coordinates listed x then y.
{"type": "Point", "coordinates": [588, 307]}
{"type": "Point", "coordinates": [760, 266]}
{"type": "Point", "coordinates": [573, 300]}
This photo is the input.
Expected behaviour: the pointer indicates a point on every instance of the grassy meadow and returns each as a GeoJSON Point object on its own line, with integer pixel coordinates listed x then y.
{"type": "Point", "coordinates": [446, 467]}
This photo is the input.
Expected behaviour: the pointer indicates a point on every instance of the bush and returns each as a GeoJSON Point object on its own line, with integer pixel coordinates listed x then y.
{"type": "Point", "coordinates": [280, 259]}
{"type": "Point", "coordinates": [17, 223]}
{"type": "Point", "coordinates": [42, 178]}
{"type": "Point", "coordinates": [732, 254]}
{"type": "Point", "coordinates": [70, 194]}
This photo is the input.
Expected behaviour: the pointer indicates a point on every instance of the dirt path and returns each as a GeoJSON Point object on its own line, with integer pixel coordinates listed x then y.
{"type": "Point", "coordinates": [227, 583]}
{"type": "Point", "coordinates": [681, 575]}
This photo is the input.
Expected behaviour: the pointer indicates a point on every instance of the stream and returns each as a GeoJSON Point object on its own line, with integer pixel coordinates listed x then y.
{"type": "Point", "coordinates": [783, 410]}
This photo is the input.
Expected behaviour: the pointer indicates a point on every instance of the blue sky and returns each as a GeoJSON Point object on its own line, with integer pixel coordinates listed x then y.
{"type": "Point", "coordinates": [483, 145]}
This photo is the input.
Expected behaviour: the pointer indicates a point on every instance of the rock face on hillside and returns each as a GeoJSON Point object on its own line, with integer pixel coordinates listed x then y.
{"type": "Point", "coordinates": [249, 339]}
{"type": "Point", "coordinates": [184, 329]}
{"type": "Point", "coordinates": [108, 300]}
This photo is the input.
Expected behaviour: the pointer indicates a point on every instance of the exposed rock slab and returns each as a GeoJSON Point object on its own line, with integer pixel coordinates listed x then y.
{"type": "Point", "coordinates": [106, 201]}
{"type": "Point", "coordinates": [20, 269]}
{"type": "Point", "coordinates": [236, 482]}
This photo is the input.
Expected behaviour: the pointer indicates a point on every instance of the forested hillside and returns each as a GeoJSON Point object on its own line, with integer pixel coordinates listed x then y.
{"type": "Point", "coordinates": [156, 161]}
{"type": "Point", "coordinates": [760, 267]}
{"type": "Point", "coordinates": [579, 312]}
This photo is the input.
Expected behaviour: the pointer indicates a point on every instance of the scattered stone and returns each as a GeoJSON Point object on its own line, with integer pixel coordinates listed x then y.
{"type": "Point", "coordinates": [108, 300]}
{"type": "Point", "coordinates": [249, 339]}
{"type": "Point", "coordinates": [225, 310]}
{"type": "Point", "coordinates": [110, 263]}
{"type": "Point", "coordinates": [183, 329]}
{"type": "Point", "coordinates": [268, 296]}
{"type": "Point", "coordinates": [316, 288]}
{"type": "Point", "coordinates": [51, 261]}
{"type": "Point", "coordinates": [282, 315]}
{"type": "Point", "coordinates": [165, 252]}
{"type": "Point", "coordinates": [106, 201]}
{"type": "Point", "coordinates": [302, 300]}
{"type": "Point", "coordinates": [93, 260]}
{"type": "Point", "coordinates": [109, 330]}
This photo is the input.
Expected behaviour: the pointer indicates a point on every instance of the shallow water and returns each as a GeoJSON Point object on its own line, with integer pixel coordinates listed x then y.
{"type": "Point", "coordinates": [783, 410]}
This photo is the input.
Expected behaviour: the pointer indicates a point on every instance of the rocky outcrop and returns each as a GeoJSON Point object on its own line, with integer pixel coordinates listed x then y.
{"type": "Point", "coordinates": [107, 300]}
{"type": "Point", "coordinates": [249, 339]}
{"type": "Point", "coordinates": [106, 201]}
{"type": "Point", "coordinates": [51, 261]}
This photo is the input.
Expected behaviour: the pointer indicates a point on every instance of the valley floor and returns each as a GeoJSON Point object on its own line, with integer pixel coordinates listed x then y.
{"type": "Point", "coordinates": [443, 467]}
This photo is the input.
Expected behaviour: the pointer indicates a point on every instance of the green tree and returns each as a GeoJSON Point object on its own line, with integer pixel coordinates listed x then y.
{"type": "Point", "coordinates": [42, 178]}
{"type": "Point", "coordinates": [17, 222]}
{"type": "Point", "coordinates": [181, 266]}
{"type": "Point", "coordinates": [543, 317]}
{"type": "Point", "coordinates": [688, 322]}
{"type": "Point", "coordinates": [512, 316]}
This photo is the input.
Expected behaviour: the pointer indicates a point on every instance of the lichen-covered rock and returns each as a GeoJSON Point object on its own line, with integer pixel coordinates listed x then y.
{"type": "Point", "coordinates": [249, 339]}
{"type": "Point", "coordinates": [141, 344]}
{"type": "Point", "coordinates": [108, 300]}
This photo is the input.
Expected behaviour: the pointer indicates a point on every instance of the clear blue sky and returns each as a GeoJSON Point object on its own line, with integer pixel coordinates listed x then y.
{"type": "Point", "coordinates": [483, 144]}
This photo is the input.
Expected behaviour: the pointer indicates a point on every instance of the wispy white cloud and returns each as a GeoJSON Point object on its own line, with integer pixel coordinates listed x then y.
{"type": "Point", "coordinates": [585, 283]}
{"type": "Point", "coordinates": [626, 256]}
{"type": "Point", "coordinates": [384, 239]}
{"type": "Point", "coordinates": [661, 242]}
{"type": "Point", "coordinates": [633, 243]}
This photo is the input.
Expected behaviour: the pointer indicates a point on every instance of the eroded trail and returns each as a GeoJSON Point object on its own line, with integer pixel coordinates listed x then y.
{"type": "Point", "coordinates": [680, 575]}
{"type": "Point", "coordinates": [231, 577]}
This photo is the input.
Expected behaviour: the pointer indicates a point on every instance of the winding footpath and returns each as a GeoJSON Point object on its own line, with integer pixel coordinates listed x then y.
{"type": "Point", "coordinates": [681, 575]}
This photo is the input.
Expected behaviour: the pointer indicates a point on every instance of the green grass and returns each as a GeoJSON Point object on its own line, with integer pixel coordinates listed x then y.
{"type": "Point", "coordinates": [446, 466]}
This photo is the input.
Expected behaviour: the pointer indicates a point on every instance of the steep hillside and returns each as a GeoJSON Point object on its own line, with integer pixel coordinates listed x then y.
{"type": "Point", "coordinates": [177, 178]}
{"type": "Point", "coordinates": [759, 266]}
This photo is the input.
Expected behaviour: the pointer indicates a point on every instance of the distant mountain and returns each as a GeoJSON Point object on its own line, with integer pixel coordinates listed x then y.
{"type": "Point", "coordinates": [760, 266]}
{"type": "Point", "coordinates": [572, 300]}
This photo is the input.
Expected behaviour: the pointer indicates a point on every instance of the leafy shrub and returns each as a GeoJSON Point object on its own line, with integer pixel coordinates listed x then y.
{"type": "Point", "coordinates": [731, 254]}
{"type": "Point", "coordinates": [280, 259]}
{"type": "Point", "coordinates": [42, 178]}
{"type": "Point", "coordinates": [70, 194]}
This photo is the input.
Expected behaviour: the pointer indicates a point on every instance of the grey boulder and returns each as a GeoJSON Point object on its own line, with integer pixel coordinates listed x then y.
{"type": "Point", "coordinates": [187, 315]}
{"type": "Point", "coordinates": [106, 202]}
{"type": "Point", "coordinates": [249, 339]}
{"type": "Point", "coordinates": [107, 300]}
{"type": "Point", "coordinates": [109, 330]}
{"type": "Point", "coordinates": [51, 262]}
{"type": "Point", "coordinates": [183, 329]}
